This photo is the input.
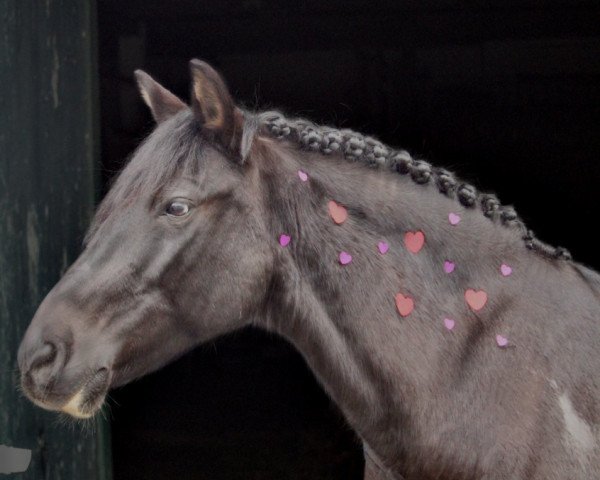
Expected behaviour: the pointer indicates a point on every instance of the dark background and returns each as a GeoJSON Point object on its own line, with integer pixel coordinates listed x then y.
{"type": "Point", "coordinates": [505, 93]}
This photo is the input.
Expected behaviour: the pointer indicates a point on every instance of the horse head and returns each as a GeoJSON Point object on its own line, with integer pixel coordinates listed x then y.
{"type": "Point", "coordinates": [173, 257]}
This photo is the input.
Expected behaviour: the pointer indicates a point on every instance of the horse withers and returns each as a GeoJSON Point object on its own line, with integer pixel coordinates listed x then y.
{"type": "Point", "coordinates": [456, 344]}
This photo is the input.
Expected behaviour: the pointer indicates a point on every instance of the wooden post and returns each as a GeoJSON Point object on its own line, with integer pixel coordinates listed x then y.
{"type": "Point", "coordinates": [48, 171]}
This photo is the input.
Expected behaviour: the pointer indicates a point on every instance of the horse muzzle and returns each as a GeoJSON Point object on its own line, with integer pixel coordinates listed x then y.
{"type": "Point", "coordinates": [52, 380]}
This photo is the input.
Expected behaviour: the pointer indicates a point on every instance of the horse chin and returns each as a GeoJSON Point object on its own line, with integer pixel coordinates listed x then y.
{"type": "Point", "coordinates": [75, 406]}
{"type": "Point", "coordinates": [84, 403]}
{"type": "Point", "coordinates": [89, 398]}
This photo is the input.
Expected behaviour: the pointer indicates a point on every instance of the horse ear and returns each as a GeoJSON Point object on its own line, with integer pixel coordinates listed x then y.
{"type": "Point", "coordinates": [214, 108]}
{"type": "Point", "coordinates": [163, 104]}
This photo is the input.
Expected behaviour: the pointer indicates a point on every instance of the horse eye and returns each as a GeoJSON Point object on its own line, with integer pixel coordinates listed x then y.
{"type": "Point", "coordinates": [177, 208]}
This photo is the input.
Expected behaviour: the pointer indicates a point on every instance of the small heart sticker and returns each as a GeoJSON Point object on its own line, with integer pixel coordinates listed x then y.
{"type": "Point", "coordinates": [454, 218]}
{"type": "Point", "coordinates": [476, 299]}
{"type": "Point", "coordinates": [404, 304]}
{"type": "Point", "coordinates": [345, 258]}
{"type": "Point", "coordinates": [505, 270]}
{"type": "Point", "coordinates": [338, 213]}
{"type": "Point", "coordinates": [449, 323]}
{"type": "Point", "coordinates": [414, 241]}
{"type": "Point", "coordinates": [449, 266]}
{"type": "Point", "coordinates": [501, 341]}
{"type": "Point", "coordinates": [383, 247]}
{"type": "Point", "coordinates": [284, 240]}
{"type": "Point", "coordinates": [303, 175]}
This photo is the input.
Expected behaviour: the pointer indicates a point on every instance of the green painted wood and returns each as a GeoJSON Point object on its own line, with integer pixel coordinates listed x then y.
{"type": "Point", "coordinates": [48, 163]}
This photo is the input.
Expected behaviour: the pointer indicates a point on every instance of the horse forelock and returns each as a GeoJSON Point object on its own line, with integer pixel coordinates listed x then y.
{"type": "Point", "coordinates": [171, 150]}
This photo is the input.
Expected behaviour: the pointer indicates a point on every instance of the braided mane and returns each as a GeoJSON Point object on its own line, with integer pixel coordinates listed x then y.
{"type": "Point", "coordinates": [359, 148]}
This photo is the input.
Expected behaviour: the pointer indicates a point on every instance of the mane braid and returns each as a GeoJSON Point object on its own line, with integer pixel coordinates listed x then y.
{"type": "Point", "coordinates": [359, 148]}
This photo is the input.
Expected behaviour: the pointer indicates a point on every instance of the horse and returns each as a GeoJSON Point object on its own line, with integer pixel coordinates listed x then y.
{"type": "Point", "coordinates": [456, 344]}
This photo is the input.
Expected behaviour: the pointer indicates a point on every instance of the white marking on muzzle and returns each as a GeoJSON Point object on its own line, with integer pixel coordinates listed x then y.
{"type": "Point", "coordinates": [72, 407]}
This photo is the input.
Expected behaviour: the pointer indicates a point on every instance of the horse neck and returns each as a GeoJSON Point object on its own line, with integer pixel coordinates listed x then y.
{"type": "Point", "coordinates": [376, 365]}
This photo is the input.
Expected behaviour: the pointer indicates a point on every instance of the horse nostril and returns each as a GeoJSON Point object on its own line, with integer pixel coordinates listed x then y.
{"type": "Point", "coordinates": [43, 365]}
{"type": "Point", "coordinates": [43, 356]}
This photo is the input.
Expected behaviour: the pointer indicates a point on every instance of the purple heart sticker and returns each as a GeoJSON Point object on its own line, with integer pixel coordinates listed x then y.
{"type": "Point", "coordinates": [454, 218]}
{"type": "Point", "coordinates": [284, 240]}
{"type": "Point", "coordinates": [505, 270]}
{"type": "Point", "coordinates": [449, 266]}
{"type": "Point", "coordinates": [345, 258]}
{"type": "Point", "coordinates": [383, 247]}
{"type": "Point", "coordinates": [449, 323]}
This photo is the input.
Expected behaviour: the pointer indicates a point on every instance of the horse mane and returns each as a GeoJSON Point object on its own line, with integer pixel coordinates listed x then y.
{"type": "Point", "coordinates": [179, 136]}
{"type": "Point", "coordinates": [374, 154]}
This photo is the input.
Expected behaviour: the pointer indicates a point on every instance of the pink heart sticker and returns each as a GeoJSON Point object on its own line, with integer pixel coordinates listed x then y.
{"type": "Point", "coordinates": [454, 218]}
{"type": "Point", "coordinates": [414, 241]}
{"type": "Point", "coordinates": [338, 213]}
{"type": "Point", "coordinates": [505, 270]}
{"type": "Point", "coordinates": [284, 240]}
{"type": "Point", "coordinates": [383, 247]}
{"type": "Point", "coordinates": [501, 340]}
{"type": "Point", "coordinates": [345, 258]}
{"type": "Point", "coordinates": [404, 304]}
{"type": "Point", "coordinates": [449, 266]}
{"type": "Point", "coordinates": [303, 175]}
{"type": "Point", "coordinates": [449, 323]}
{"type": "Point", "coordinates": [476, 299]}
